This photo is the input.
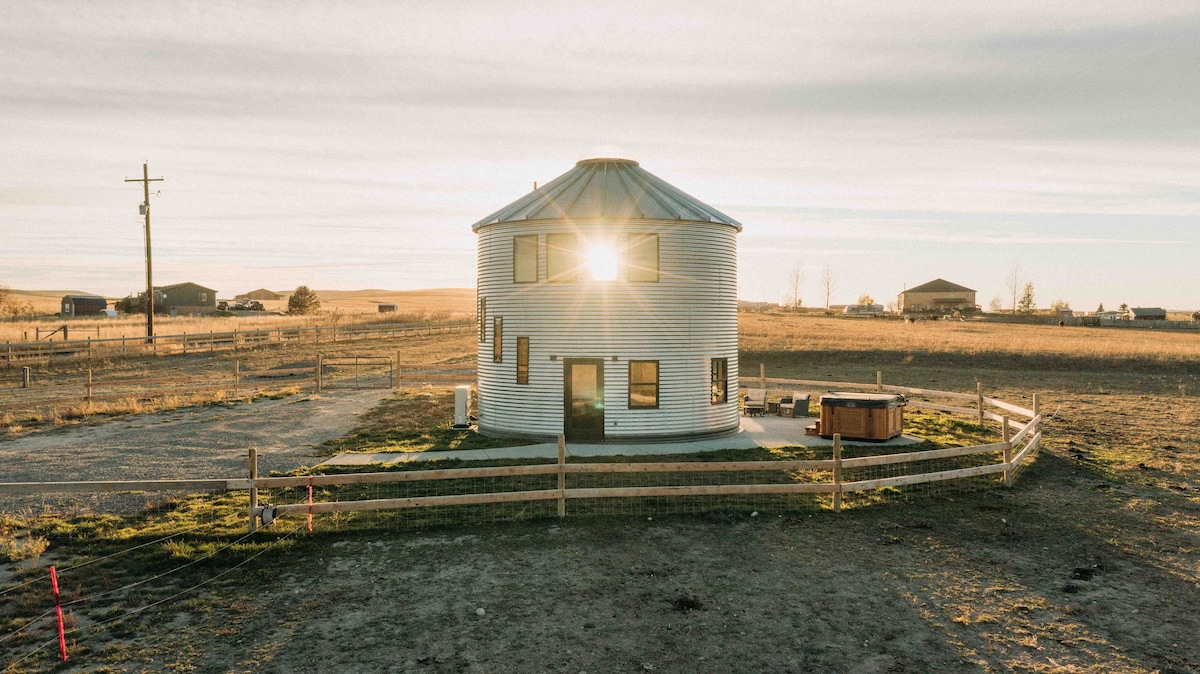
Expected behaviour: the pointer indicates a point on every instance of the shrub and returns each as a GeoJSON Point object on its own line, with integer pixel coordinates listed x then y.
{"type": "Point", "coordinates": [303, 301]}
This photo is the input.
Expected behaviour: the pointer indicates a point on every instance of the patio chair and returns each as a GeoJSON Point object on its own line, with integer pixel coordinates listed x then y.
{"type": "Point", "coordinates": [796, 406]}
{"type": "Point", "coordinates": [755, 402]}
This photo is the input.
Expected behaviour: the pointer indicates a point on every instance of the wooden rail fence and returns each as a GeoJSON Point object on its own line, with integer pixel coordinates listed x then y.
{"type": "Point", "coordinates": [1020, 439]}
{"type": "Point", "coordinates": [13, 353]}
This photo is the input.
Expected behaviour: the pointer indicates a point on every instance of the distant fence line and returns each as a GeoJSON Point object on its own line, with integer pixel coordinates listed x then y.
{"type": "Point", "coordinates": [13, 353]}
{"type": "Point", "coordinates": [328, 372]}
{"type": "Point", "coordinates": [870, 469]}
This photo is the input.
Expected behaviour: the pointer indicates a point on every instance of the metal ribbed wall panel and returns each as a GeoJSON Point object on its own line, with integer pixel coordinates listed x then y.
{"type": "Point", "coordinates": [685, 319]}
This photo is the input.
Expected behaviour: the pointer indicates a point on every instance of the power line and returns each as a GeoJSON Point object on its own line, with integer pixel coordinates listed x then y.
{"type": "Point", "coordinates": [145, 180]}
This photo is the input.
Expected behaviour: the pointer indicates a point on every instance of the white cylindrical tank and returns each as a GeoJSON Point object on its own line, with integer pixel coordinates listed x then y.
{"type": "Point", "coordinates": [608, 311]}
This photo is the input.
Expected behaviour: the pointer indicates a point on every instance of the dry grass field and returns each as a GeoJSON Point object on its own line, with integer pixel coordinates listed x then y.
{"type": "Point", "coordinates": [337, 307]}
{"type": "Point", "coordinates": [1090, 563]}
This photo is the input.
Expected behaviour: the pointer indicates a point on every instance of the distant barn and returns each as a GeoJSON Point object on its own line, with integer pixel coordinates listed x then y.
{"type": "Point", "coordinates": [182, 299]}
{"type": "Point", "coordinates": [939, 295]}
{"type": "Point", "coordinates": [260, 295]}
{"type": "Point", "coordinates": [83, 305]}
{"type": "Point", "coordinates": [385, 308]}
{"type": "Point", "coordinates": [1147, 314]}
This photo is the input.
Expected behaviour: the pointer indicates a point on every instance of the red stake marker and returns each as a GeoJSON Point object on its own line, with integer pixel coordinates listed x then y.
{"type": "Point", "coordinates": [62, 635]}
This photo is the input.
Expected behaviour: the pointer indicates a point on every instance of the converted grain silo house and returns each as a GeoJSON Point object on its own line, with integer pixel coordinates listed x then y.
{"type": "Point", "coordinates": [607, 311]}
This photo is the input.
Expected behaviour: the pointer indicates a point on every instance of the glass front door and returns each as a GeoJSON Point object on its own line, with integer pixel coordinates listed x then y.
{"type": "Point", "coordinates": [583, 398]}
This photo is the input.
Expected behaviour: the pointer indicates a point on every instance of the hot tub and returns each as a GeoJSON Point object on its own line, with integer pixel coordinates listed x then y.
{"type": "Point", "coordinates": [862, 416]}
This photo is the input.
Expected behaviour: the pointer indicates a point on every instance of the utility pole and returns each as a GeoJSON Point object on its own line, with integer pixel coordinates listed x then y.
{"type": "Point", "coordinates": [145, 180]}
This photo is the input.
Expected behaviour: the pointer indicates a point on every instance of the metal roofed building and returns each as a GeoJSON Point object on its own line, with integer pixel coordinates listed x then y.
{"type": "Point", "coordinates": [607, 305]}
{"type": "Point", "coordinates": [939, 295]}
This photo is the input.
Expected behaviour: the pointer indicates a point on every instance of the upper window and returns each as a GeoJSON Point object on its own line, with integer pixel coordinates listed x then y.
{"type": "Point", "coordinates": [643, 384]}
{"type": "Point", "coordinates": [641, 261]}
{"type": "Point", "coordinates": [522, 360]}
{"type": "Point", "coordinates": [497, 340]}
{"type": "Point", "coordinates": [719, 380]}
{"type": "Point", "coordinates": [562, 257]}
{"type": "Point", "coordinates": [525, 258]}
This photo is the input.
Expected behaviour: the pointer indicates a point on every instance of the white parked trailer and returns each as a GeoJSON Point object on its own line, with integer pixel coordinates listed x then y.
{"type": "Point", "coordinates": [607, 311]}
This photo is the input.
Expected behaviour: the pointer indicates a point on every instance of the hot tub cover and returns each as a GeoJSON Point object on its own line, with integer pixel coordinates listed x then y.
{"type": "Point", "coordinates": [869, 400]}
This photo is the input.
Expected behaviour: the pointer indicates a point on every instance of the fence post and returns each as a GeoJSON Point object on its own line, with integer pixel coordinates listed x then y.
{"type": "Point", "coordinates": [235, 340]}
{"type": "Point", "coordinates": [237, 377]}
{"type": "Point", "coordinates": [25, 371]}
{"type": "Point", "coordinates": [185, 343]}
{"type": "Point", "coordinates": [1037, 406]}
{"type": "Point", "coordinates": [397, 370]}
{"type": "Point", "coordinates": [562, 481]}
{"type": "Point", "coordinates": [879, 380]}
{"type": "Point", "coordinates": [1006, 433]}
{"type": "Point", "coordinates": [89, 385]}
{"type": "Point", "coordinates": [320, 366]}
{"type": "Point", "coordinates": [837, 472]}
{"type": "Point", "coordinates": [762, 376]}
{"type": "Point", "coordinates": [979, 397]}
{"type": "Point", "coordinates": [253, 490]}
{"type": "Point", "coordinates": [210, 341]}
{"type": "Point", "coordinates": [122, 345]}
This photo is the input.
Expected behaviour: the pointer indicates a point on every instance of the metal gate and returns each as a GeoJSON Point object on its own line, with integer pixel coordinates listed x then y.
{"type": "Point", "coordinates": [355, 372]}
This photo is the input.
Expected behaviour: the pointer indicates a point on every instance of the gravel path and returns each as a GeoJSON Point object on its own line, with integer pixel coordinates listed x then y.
{"type": "Point", "coordinates": [207, 442]}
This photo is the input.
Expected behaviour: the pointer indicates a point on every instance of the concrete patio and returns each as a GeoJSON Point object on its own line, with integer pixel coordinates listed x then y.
{"type": "Point", "coordinates": [759, 431]}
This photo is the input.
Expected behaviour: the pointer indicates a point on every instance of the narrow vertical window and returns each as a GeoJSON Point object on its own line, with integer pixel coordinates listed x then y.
{"type": "Point", "coordinates": [497, 340]}
{"type": "Point", "coordinates": [642, 259]}
{"type": "Point", "coordinates": [483, 319]}
{"type": "Point", "coordinates": [719, 380]}
{"type": "Point", "coordinates": [525, 258]}
{"type": "Point", "coordinates": [522, 360]}
{"type": "Point", "coordinates": [643, 384]}
{"type": "Point", "coordinates": [562, 257]}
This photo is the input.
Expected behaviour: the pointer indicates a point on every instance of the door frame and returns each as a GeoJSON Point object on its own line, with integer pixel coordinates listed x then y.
{"type": "Point", "coordinates": [568, 364]}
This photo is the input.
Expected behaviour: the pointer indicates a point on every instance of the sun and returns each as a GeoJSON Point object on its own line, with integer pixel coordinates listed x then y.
{"type": "Point", "coordinates": [602, 261]}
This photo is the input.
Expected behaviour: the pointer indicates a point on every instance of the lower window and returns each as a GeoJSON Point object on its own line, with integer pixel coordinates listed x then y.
{"type": "Point", "coordinates": [643, 384]}
{"type": "Point", "coordinates": [522, 360]}
{"type": "Point", "coordinates": [719, 380]}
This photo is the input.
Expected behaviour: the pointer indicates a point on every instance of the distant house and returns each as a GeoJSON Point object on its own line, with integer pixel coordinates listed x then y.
{"type": "Point", "coordinates": [1147, 314]}
{"type": "Point", "coordinates": [185, 298]}
{"type": "Point", "coordinates": [937, 296]}
{"type": "Point", "coordinates": [1112, 315]}
{"type": "Point", "coordinates": [260, 294]}
{"type": "Point", "coordinates": [385, 308]}
{"type": "Point", "coordinates": [83, 305]}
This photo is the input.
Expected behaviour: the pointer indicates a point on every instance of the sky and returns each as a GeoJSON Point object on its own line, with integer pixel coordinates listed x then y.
{"type": "Point", "coordinates": [351, 145]}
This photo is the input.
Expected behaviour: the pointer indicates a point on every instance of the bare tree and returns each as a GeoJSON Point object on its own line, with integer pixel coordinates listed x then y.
{"type": "Point", "coordinates": [827, 283]}
{"type": "Point", "coordinates": [795, 280]}
{"type": "Point", "coordinates": [1013, 283]}
{"type": "Point", "coordinates": [996, 305]}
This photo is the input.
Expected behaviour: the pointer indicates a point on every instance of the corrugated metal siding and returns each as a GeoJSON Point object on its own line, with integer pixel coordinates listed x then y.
{"type": "Point", "coordinates": [682, 321]}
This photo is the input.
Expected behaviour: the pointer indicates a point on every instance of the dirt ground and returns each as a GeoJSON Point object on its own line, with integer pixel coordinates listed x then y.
{"type": "Point", "coordinates": [195, 442]}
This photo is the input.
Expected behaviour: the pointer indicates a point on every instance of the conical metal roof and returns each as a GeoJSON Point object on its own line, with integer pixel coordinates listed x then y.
{"type": "Point", "coordinates": [607, 188]}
